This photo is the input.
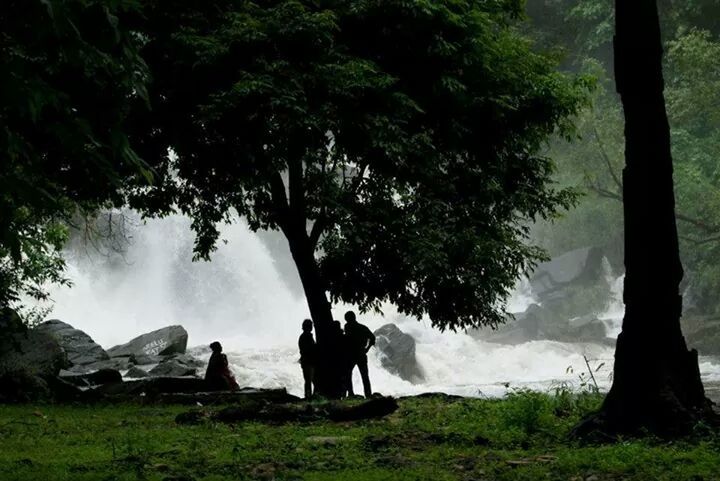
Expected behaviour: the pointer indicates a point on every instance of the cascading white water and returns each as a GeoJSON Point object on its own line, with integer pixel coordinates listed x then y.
{"type": "Point", "coordinates": [241, 299]}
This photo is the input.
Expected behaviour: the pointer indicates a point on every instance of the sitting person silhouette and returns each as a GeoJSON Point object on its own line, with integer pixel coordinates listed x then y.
{"type": "Point", "coordinates": [218, 376]}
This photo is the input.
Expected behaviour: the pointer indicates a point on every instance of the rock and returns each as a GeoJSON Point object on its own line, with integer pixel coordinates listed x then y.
{"type": "Point", "coordinates": [244, 395]}
{"type": "Point", "coordinates": [144, 360]}
{"type": "Point", "coordinates": [34, 352]}
{"type": "Point", "coordinates": [397, 353]}
{"type": "Point", "coordinates": [21, 387]}
{"type": "Point", "coordinates": [172, 368]}
{"type": "Point", "coordinates": [149, 388]}
{"type": "Point", "coordinates": [63, 391]}
{"type": "Point", "coordinates": [252, 410]}
{"type": "Point", "coordinates": [162, 342]}
{"type": "Point", "coordinates": [116, 363]}
{"type": "Point", "coordinates": [97, 378]}
{"type": "Point", "coordinates": [136, 373]}
{"type": "Point", "coordinates": [374, 408]}
{"type": "Point", "coordinates": [702, 334]}
{"type": "Point", "coordinates": [187, 360]}
{"type": "Point", "coordinates": [541, 323]}
{"type": "Point", "coordinates": [579, 266]}
{"type": "Point", "coordinates": [79, 347]}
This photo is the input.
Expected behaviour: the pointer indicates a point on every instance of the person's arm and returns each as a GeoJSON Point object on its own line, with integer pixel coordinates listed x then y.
{"type": "Point", "coordinates": [371, 340]}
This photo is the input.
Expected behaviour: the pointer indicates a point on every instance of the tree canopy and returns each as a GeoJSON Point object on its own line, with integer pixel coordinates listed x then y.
{"type": "Point", "coordinates": [70, 73]}
{"type": "Point", "coordinates": [396, 144]}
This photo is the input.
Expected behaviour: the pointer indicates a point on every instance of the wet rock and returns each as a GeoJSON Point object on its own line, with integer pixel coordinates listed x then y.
{"type": "Point", "coordinates": [579, 266]}
{"type": "Point", "coordinates": [28, 350]}
{"type": "Point", "coordinates": [21, 387]}
{"type": "Point", "coordinates": [136, 373]}
{"type": "Point", "coordinates": [162, 342]}
{"type": "Point", "coordinates": [79, 347]}
{"type": "Point", "coordinates": [397, 353]}
{"type": "Point", "coordinates": [97, 378]}
{"type": "Point", "coordinates": [117, 363]}
{"type": "Point", "coordinates": [144, 360]}
{"type": "Point", "coordinates": [187, 360]}
{"type": "Point", "coordinates": [150, 388]}
{"type": "Point", "coordinates": [172, 369]}
{"type": "Point", "coordinates": [542, 323]}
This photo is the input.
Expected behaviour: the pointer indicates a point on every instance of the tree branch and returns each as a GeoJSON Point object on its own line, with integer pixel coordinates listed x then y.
{"type": "Point", "coordinates": [317, 230]}
{"type": "Point", "coordinates": [279, 200]}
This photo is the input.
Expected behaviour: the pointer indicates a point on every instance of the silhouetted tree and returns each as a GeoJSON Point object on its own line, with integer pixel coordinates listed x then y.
{"type": "Point", "coordinates": [656, 384]}
{"type": "Point", "coordinates": [394, 143]}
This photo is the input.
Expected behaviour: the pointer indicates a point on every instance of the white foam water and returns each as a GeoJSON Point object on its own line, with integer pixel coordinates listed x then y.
{"type": "Point", "coordinates": [241, 299]}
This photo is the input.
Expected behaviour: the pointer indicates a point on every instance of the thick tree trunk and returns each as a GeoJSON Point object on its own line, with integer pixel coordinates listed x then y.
{"type": "Point", "coordinates": [328, 375]}
{"type": "Point", "coordinates": [656, 384]}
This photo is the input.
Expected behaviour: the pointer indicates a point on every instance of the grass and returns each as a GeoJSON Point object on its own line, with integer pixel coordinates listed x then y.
{"type": "Point", "coordinates": [523, 437]}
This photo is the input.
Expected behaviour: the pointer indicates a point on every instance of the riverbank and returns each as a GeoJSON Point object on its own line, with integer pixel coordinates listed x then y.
{"type": "Point", "coordinates": [522, 437]}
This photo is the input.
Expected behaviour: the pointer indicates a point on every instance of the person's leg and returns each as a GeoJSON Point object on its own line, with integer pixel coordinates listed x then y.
{"type": "Point", "coordinates": [349, 381]}
{"type": "Point", "coordinates": [307, 375]}
{"type": "Point", "coordinates": [363, 367]}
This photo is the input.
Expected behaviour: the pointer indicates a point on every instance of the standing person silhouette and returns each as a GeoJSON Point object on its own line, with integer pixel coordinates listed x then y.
{"type": "Point", "coordinates": [308, 354]}
{"type": "Point", "coordinates": [360, 339]}
{"type": "Point", "coordinates": [218, 376]}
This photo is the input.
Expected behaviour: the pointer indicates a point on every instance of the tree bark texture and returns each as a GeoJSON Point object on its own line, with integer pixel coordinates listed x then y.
{"type": "Point", "coordinates": [328, 370]}
{"type": "Point", "coordinates": [656, 383]}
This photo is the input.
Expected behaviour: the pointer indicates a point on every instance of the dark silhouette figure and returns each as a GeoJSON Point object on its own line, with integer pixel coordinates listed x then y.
{"type": "Point", "coordinates": [308, 356]}
{"type": "Point", "coordinates": [359, 339]}
{"type": "Point", "coordinates": [343, 357]}
{"type": "Point", "coordinates": [218, 376]}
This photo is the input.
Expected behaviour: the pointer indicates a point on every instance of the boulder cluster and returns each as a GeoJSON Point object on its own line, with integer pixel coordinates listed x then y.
{"type": "Point", "coordinates": [55, 361]}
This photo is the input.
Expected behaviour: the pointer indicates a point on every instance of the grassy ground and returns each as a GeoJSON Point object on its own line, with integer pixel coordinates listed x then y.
{"type": "Point", "coordinates": [523, 437]}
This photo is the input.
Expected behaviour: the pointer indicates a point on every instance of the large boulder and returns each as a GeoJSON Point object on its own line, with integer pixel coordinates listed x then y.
{"type": "Point", "coordinates": [543, 323]}
{"type": "Point", "coordinates": [397, 353]}
{"type": "Point", "coordinates": [79, 347]}
{"type": "Point", "coordinates": [117, 363]}
{"type": "Point", "coordinates": [703, 334]}
{"type": "Point", "coordinates": [97, 378]}
{"type": "Point", "coordinates": [162, 342]}
{"type": "Point", "coordinates": [172, 368]}
{"type": "Point", "coordinates": [582, 266]}
{"type": "Point", "coordinates": [28, 350]}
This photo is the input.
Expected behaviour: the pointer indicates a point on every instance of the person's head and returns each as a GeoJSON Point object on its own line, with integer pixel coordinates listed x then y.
{"type": "Point", "coordinates": [216, 347]}
{"type": "Point", "coordinates": [307, 325]}
{"type": "Point", "coordinates": [350, 317]}
{"type": "Point", "coordinates": [337, 325]}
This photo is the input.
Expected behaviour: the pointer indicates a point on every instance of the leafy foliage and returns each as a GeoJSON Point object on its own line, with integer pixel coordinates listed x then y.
{"type": "Point", "coordinates": [594, 163]}
{"type": "Point", "coordinates": [394, 143]}
{"type": "Point", "coordinates": [69, 75]}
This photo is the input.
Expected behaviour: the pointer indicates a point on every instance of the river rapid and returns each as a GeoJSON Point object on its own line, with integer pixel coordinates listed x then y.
{"type": "Point", "coordinates": [248, 299]}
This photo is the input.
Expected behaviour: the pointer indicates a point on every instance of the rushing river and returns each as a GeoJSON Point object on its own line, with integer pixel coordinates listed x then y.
{"type": "Point", "coordinates": [242, 299]}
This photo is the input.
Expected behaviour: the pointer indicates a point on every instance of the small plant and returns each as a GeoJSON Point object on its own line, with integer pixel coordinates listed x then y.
{"type": "Point", "coordinates": [527, 410]}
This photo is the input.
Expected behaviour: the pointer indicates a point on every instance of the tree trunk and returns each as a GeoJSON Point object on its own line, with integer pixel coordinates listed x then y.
{"type": "Point", "coordinates": [328, 373]}
{"type": "Point", "coordinates": [656, 384]}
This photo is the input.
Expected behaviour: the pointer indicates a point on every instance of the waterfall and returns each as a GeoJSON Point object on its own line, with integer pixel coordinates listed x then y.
{"type": "Point", "coordinates": [242, 299]}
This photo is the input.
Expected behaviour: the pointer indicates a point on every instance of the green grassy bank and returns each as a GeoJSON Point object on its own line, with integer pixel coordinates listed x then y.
{"type": "Point", "coordinates": [522, 437]}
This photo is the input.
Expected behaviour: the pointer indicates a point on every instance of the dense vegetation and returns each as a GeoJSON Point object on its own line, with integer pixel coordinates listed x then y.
{"type": "Point", "coordinates": [593, 162]}
{"type": "Point", "coordinates": [70, 74]}
{"type": "Point", "coordinates": [521, 438]}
